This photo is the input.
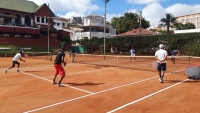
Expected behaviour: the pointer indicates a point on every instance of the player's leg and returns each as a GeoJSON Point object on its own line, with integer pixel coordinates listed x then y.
{"type": "Point", "coordinates": [131, 58]}
{"type": "Point", "coordinates": [159, 71]}
{"type": "Point", "coordinates": [163, 69]}
{"type": "Point", "coordinates": [134, 57]}
{"type": "Point", "coordinates": [17, 66]}
{"type": "Point", "coordinates": [56, 73]}
{"type": "Point", "coordinates": [62, 74]}
{"type": "Point", "coordinates": [13, 65]}
{"type": "Point", "coordinates": [173, 60]}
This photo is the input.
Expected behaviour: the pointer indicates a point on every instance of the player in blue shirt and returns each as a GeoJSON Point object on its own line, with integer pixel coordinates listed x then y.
{"type": "Point", "coordinates": [174, 53]}
{"type": "Point", "coordinates": [132, 52]}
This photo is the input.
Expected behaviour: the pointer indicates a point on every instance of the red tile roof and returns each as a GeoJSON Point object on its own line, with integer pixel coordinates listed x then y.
{"type": "Point", "coordinates": [136, 32]}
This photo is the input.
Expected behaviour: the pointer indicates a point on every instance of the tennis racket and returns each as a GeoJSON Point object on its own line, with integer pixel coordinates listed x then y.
{"type": "Point", "coordinates": [154, 64]}
{"type": "Point", "coordinates": [25, 56]}
{"type": "Point", "coordinates": [193, 71]}
{"type": "Point", "coordinates": [65, 62]}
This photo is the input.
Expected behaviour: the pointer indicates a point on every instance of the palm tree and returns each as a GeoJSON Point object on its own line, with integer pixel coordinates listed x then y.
{"type": "Point", "coordinates": [168, 22]}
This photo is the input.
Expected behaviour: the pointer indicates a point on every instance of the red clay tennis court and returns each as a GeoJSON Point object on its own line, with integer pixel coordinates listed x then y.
{"type": "Point", "coordinates": [93, 88]}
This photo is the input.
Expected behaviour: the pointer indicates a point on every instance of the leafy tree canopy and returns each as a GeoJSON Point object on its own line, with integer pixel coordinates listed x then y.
{"type": "Point", "coordinates": [128, 22]}
{"type": "Point", "coordinates": [181, 26]}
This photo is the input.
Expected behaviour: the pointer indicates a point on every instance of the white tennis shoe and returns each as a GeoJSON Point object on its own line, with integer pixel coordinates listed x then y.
{"type": "Point", "coordinates": [160, 80]}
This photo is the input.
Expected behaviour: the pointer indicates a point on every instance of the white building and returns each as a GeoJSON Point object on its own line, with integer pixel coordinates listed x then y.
{"type": "Point", "coordinates": [192, 18]}
{"type": "Point", "coordinates": [91, 26]}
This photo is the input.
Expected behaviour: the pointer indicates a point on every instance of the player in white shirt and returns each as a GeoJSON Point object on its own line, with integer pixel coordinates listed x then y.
{"type": "Point", "coordinates": [15, 61]}
{"type": "Point", "coordinates": [161, 56]}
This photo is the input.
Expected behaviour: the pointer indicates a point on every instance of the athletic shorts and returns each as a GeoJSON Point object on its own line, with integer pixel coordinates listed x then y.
{"type": "Point", "coordinates": [132, 54]}
{"type": "Point", "coordinates": [161, 67]}
{"type": "Point", "coordinates": [59, 70]}
{"type": "Point", "coordinates": [14, 62]}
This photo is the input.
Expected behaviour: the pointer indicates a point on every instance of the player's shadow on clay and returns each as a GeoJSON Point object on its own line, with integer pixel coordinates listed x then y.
{"type": "Point", "coordinates": [84, 84]}
{"type": "Point", "coordinates": [176, 81]}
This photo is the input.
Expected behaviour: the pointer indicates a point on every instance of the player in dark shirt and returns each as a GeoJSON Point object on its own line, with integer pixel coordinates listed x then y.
{"type": "Point", "coordinates": [174, 53]}
{"type": "Point", "coordinates": [58, 66]}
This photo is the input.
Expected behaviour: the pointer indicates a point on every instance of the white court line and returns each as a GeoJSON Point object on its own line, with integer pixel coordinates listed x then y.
{"type": "Point", "coordinates": [82, 72]}
{"type": "Point", "coordinates": [52, 105]}
{"type": "Point", "coordinates": [58, 103]}
{"type": "Point", "coordinates": [51, 81]}
{"type": "Point", "coordinates": [146, 96]}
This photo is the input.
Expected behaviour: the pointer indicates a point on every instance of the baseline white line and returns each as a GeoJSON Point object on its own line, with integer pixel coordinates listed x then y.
{"type": "Point", "coordinates": [52, 105]}
{"type": "Point", "coordinates": [51, 81]}
{"type": "Point", "coordinates": [146, 96]}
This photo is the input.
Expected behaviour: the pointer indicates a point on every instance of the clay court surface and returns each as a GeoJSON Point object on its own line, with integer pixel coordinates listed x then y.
{"type": "Point", "coordinates": [95, 89]}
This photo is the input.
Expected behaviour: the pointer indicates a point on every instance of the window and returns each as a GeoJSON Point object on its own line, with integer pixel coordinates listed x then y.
{"type": "Point", "coordinates": [198, 18]}
{"type": "Point", "coordinates": [58, 24]}
{"type": "Point", "coordinates": [42, 20]}
{"type": "Point", "coordinates": [46, 20]}
{"type": "Point", "coordinates": [63, 24]}
{"type": "Point", "coordinates": [38, 19]}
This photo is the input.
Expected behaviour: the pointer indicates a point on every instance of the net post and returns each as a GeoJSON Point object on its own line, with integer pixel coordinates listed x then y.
{"type": "Point", "coordinates": [50, 56]}
{"type": "Point", "coordinates": [5, 54]}
{"type": "Point", "coordinates": [189, 60]}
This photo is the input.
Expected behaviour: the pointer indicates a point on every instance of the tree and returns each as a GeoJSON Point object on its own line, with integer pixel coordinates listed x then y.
{"type": "Point", "coordinates": [168, 22]}
{"type": "Point", "coordinates": [128, 22]}
{"type": "Point", "coordinates": [181, 26]}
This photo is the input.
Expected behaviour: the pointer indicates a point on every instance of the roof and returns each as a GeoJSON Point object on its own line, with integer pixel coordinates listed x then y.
{"type": "Point", "coordinates": [136, 32]}
{"type": "Point", "coordinates": [19, 5]}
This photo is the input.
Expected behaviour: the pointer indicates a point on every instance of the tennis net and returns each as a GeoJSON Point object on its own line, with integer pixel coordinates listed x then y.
{"type": "Point", "coordinates": [145, 63]}
{"type": "Point", "coordinates": [39, 55]}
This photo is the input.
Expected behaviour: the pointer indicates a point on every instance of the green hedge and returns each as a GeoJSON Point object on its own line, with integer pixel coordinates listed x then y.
{"type": "Point", "coordinates": [187, 44]}
{"type": "Point", "coordinates": [14, 49]}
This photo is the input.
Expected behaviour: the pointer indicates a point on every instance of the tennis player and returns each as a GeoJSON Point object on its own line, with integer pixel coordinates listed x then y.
{"type": "Point", "coordinates": [15, 61]}
{"type": "Point", "coordinates": [132, 52]}
{"type": "Point", "coordinates": [174, 53]}
{"type": "Point", "coordinates": [161, 56]}
{"type": "Point", "coordinates": [58, 66]}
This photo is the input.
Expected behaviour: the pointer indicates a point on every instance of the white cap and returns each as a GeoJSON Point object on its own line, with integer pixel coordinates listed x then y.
{"type": "Point", "coordinates": [161, 46]}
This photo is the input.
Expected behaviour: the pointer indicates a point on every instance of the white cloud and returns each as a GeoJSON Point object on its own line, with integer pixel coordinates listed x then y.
{"type": "Point", "coordinates": [154, 11]}
{"type": "Point", "coordinates": [133, 10]}
{"type": "Point", "coordinates": [70, 7]}
{"type": "Point", "coordinates": [183, 9]}
{"type": "Point", "coordinates": [142, 1]}
{"type": "Point", "coordinates": [110, 16]}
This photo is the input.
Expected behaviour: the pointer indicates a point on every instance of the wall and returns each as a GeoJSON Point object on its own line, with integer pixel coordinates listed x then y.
{"type": "Point", "coordinates": [19, 41]}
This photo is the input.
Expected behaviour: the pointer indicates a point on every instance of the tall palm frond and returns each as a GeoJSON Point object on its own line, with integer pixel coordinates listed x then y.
{"type": "Point", "coordinates": [168, 22]}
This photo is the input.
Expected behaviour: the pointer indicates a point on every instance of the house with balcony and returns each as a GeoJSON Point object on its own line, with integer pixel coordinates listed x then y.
{"type": "Point", "coordinates": [23, 22]}
{"type": "Point", "coordinates": [92, 26]}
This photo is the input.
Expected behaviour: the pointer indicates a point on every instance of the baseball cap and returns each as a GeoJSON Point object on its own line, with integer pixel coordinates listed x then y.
{"type": "Point", "coordinates": [161, 46]}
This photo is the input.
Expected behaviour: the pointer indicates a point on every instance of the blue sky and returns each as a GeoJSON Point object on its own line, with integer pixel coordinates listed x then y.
{"type": "Point", "coordinates": [152, 10]}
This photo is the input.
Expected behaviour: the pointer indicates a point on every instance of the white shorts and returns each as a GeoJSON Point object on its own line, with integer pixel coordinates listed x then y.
{"type": "Point", "coordinates": [132, 54]}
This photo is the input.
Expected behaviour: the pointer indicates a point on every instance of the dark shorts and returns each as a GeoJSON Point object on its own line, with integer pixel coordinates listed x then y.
{"type": "Point", "coordinates": [161, 67]}
{"type": "Point", "coordinates": [14, 62]}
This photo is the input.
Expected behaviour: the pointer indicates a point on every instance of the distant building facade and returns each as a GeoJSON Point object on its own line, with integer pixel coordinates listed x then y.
{"type": "Point", "coordinates": [192, 18]}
